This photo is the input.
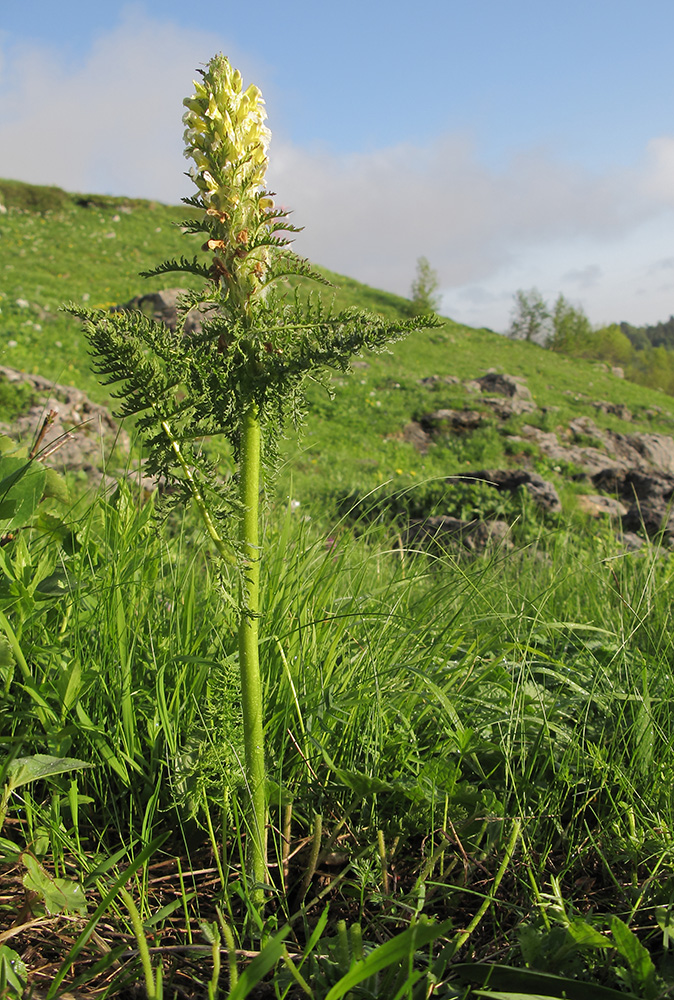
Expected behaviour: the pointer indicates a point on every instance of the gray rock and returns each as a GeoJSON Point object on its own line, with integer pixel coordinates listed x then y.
{"type": "Point", "coordinates": [542, 492]}
{"type": "Point", "coordinates": [433, 380]}
{"type": "Point", "coordinates": [442, 530]}
{"type": "Point", "coordinates": [415, 435]}
{"type": "Point", "coordinates": [163, 308]}
{"type": "Point", "coordinates": [600, 506]}
{"type": "Point", "coordinates": [504, 385]}
{"type": "Point", "coordinates": [617, 409]}
{"type": "Point", "coordinates": [451, 420]}
{"type": "Point", "coordinates": [611, 450]}
{"type": "Point", "coordinates": [512, 395]}
{"type": "Point", "coordinates": [651, 517]}
{"type": "Point", "coordinates": [81, 435]}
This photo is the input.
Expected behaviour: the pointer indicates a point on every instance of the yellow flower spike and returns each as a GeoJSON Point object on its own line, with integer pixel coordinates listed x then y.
{"type": "Point", "coordinates": [226, 137]}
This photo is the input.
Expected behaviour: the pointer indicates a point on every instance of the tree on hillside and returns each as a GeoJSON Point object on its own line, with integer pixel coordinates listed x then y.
{"type": "Point", "coordinates": [530, 317]}
{"type": "Point", "coordinates": [571, 329]}
{"type": "Point", "coordinates": [425, 299]}
{"type": "Point", "coordinates": [611, 345]}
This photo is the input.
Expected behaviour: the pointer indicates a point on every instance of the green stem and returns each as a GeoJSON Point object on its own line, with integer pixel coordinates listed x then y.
{"type": "Point", "coordinates": [143, 950]}
{"type": "Point", "coordinates": [249, 665]}
{"type": "Point", "coordinates": [463, 936]}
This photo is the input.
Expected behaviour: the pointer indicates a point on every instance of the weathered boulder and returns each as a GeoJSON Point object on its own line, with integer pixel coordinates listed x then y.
{"type": "Point", "coordinates": [451, 420]}
{"type": "Point", "coordinates": [649, 496]}
{"type": "Point", "coordinates": [601, 506]}
{"type": "Point", "coordinates": [163, 308]}
{"type": "Point", "coordinates": [542, 492]}
{"type": "Point", "coordinates": [594, 449]}
{"type": "Point", "coordinates": [517, 397]}
{"type": "Point", "coordinates": [616, 409]}
{"type": "Point", "coordinates": [81, 435]}
{"type": "Point", "coordinates": [652, 517]}
{"type": "Point", "coordinates": [415, 435]}
{"type": "Point", "coordinates": [431, 381]}
{"type": "Point", "coordinates": [471, 536]}
{"type": "Point", "coordinates": [633, 485]}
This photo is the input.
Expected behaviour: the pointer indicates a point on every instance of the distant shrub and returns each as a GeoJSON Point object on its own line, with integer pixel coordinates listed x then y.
{"type": "Point", "coordinates": [33, 197]}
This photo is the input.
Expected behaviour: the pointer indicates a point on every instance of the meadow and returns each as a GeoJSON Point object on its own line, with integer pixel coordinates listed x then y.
{"type": "Point", "coordinates": [469, 757]}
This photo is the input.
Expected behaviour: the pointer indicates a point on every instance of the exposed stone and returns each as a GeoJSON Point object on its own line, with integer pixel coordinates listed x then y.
{"type": "Point", "coordinates": [542, 492]}
{"type": "Point", "coordinates": [613, 451]}
{"type": "Point", "coordinates": [163, 308]}
{"type": "Point", "coordinates": [505, 408]}
{"type": "Point", "coordinates": [415, 435]}
{"type": "Point", "coordinates": [599, 506]}
{"type": "Point", "coordinates": [635, 485]}
{"type": "Point", "coordinates": [617, 409]}
{"type": "Point", "coordinates": [432, 380]}
{"type": "Point", "coordinates": [504, 385]}
{"type": "Point", "coordinates": [82, 434]}
{"type": "Point", "coordinates": [454, 420]}
{"type": "Point", "coordinates": [473, 536]}
{"type": "Point", "coordinates": [649, 496]}
{"type": "Point", "coordinates": [651, 516]}
{"type": "Point", "coordinates": [516, 397]}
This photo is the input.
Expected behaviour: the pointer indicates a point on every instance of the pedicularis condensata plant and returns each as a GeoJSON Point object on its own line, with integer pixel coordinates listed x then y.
{"type": "Point", "coordinates": [242, 375]}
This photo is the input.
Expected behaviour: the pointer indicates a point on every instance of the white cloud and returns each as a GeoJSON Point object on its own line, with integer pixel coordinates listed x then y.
{"type": "Point", "coordinates": [112, 123]}
{"type": "Point", "coordinates": [658, 177]}
{"type": "Point", "coordinates": [584, 277]}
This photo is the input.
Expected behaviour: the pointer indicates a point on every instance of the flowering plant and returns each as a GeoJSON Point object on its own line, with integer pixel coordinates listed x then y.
{"type": "Point", "coordinates": [242, 375]}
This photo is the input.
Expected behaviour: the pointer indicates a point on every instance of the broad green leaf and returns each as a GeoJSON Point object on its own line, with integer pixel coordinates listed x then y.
{"type": "Point", "coordinates": [13, 970]}
{"type": "Point", "coordinates": [363, 785]}
{"type": "Point", "coordinates": [90, 927]}
{"type": "Point", "coordinates": [23, 770]}
{"type": "Point", "coordinates": [6, 653]}
{"type": "Point", "coordinates": [55, 486]}
{"type": "Point", "coordinates": [7, 446]}
{"type": "Point", "coordinates": [21, 486]}
{"type": "Point", "coordinates": [634, 953]}
{"type": "Point", "coordinates": [59, 894]}
{"type": "Point", "coordinates": [586, 936]}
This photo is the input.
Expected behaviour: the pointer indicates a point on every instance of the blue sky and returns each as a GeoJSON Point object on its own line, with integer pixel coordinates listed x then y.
{"type": "Point", "coordinates": [515, 143]}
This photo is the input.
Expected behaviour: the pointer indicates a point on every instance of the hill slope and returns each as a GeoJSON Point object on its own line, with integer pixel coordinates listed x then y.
{"type": "Point", "coordinates": [57, 247]}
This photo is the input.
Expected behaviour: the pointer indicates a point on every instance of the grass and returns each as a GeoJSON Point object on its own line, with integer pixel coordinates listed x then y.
{"type": "Point", "coordinates": [416, 705]}
{"type": "Point", "coordinates": [470, 757]}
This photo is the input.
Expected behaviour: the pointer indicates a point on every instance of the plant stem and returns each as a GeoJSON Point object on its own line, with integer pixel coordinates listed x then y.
{"type": "Point", "coordinates": [249, 665]}
{"type": "Point", "coordinates": [143, 950]}
{"type": "Point", "coordinates": [463, 936]}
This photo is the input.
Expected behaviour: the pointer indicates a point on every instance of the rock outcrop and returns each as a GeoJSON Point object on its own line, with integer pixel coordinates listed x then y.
{"type": "Point", "coordinates": [81, 435]}
{"type": "Point", "coordinates": [470, 536]}
{"type": "Point", "coordinates": [163, 308]}
{"type": "Point", "coordinates": [542, 492]}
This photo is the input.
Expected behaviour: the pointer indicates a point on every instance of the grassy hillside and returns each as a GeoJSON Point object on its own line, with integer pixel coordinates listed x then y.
{"type": "Point", "coordinates": [56, 247]}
